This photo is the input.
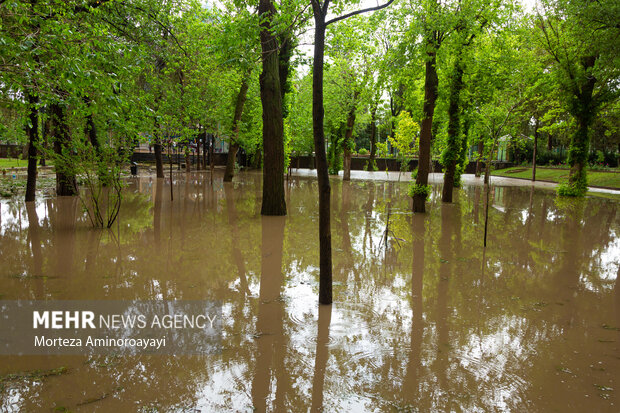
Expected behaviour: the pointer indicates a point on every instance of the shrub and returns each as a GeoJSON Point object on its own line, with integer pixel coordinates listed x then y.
{"type": "Point", "coordinates": [363, 151]}
{"type": "Point", "coordinates": [415, 189]}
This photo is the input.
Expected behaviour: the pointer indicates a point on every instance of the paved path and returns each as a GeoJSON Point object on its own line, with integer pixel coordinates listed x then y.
{"type": "Point", "coordinates": [437, 178]}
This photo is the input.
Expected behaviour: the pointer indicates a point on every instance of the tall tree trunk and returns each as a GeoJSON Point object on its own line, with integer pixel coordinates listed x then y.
{"type": "Point", "coordinates": [348, 137]}
{"type": "Point", "coordinates": [431, 83]}
{"type": "Point", "coordinates": [198, 157]}
{"type": "Point", "coordinates": [372, 164]}
{"type": "Point", "coordinates": [33, 140]}
{"type": "Point", "coordinates": [205, 150]}
{"type": "Point", "coordinates": [583, 111]}
{"type": "Point", "coordinates": [234, 145]}
{"type": "Point", "coordinates": [211, 154]}
{"type": "Point", "coordinates": [66, 185]}
{"type": "Point", "coordinates": [452, 153]}
{"type": "Point", "coordinates": [159, 160]}
{"type": "Point", "coordinates": [535, 149]}
{"type": "Point", "coordinates": [273, 126]}
{"type": "Point", "coordinates": [46, 133]}
{"type": "Point", "coordinates": [318, 114]}
{"type": "Point", "coordinates": [230, 161]}
{"type": "Point", "coordinates": [90, 129]}
{"type": "Point", "coordinates": [284, 69]}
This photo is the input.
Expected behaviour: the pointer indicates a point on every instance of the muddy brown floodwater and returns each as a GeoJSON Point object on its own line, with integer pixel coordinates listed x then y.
{"type": "Point", "coordinates": [425, 320]}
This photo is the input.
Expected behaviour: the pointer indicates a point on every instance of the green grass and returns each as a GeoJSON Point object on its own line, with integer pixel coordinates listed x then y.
{"type": "Point", "coordinates": [605, 179]}
{"type": "Point", "coordinates": [12, 163]}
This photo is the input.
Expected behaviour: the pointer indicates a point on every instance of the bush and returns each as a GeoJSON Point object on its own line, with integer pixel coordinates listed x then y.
{"type": "Point", "coordinates": [603, 158]}
{"type": "Point", "coordinates": [577, 186]}
{"type": "Point", "coordinates": [546, 157]}
{"type": "Point", "coordinates": [363, 151]}
{"type": "Point", "coordinates": [415, 189]}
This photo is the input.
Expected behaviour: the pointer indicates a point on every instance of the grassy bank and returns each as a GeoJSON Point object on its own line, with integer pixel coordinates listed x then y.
{"type": "Point", "coordinates": [12, 163]}
{"type": "Point", "coordinates": [603, 179]}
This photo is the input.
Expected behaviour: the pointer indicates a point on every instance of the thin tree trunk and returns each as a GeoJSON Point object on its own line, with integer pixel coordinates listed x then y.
{"type": "Point", "coordinates": [234, 145]}
{"type": "Point", "coordinates": [211, 153]}
{"type": "Point", "coordinates": [205, 150]}
{"type": "Point", "coordinates": [90, 129]}
{"type": "Point", "coordinates": [373, 139]}
{"type": "Point", "coordinates": [431, 83]}
{"type": "Point", "coordinates": [273, 128]}
{"type": "Point", "coordinates": [33, 140]}
{"type": "Point", "coordinates": [66, 185]}
{"type": "Point", "coordinates": [348, 136]}
{"type": "Point", "coordinates": [46, 133]}
{"type": "Point", "coordinates": [198, 158]}
{"type": "Point", "coordinates": [535, 148]}
{"type": "Point", "coordinates": [318, 114]}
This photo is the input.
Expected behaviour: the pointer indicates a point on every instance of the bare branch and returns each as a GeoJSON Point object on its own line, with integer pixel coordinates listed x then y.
{"type": "Point", "coordinates": [346, 16]}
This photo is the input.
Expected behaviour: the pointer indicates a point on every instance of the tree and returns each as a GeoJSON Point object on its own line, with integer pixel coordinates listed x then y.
{"type": "Point", "coordinates": [433, 36]}
{"type": "Point", "coordinates": [320, 10]}
{"type": "Point", "coordinates": [273, 126]}
{"type": "Point", "coordinates": [581, 37]}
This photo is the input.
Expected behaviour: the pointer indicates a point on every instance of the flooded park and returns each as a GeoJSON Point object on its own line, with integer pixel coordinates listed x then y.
{"type": "Point", "coordinates": [424, 318]}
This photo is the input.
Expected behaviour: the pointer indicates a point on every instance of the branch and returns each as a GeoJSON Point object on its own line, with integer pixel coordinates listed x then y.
{"type": "Point", "coordinates": [346, 16]}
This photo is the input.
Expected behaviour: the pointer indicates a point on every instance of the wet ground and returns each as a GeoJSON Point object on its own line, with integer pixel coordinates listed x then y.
{"type": "Point", "coordinates": [424, 319]}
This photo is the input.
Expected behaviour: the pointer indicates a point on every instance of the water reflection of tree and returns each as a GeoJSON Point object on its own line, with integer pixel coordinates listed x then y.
{"type": "Point", "coordinates": [270, 311]}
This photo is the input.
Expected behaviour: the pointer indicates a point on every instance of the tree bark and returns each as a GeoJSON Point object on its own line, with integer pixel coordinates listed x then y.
{"type": "Point", "coordinates": [211, 152]}
{"type": "Point", "coordinates": [234, 145]}
{"type": "Point", "coordinates": [583, 111]}
{"type": "Point", "coordinates": [318, 114]}
{"type": "Point", "coordinates": [348, 136]}
{"type": "Point", "coordinates": [33, 140]}
{"type": "Point", "coordinates": [431, 82]}
{"type": "Point", "coordinates": [159, 162]}
{"type": "Point", "coordinates": [198, 158]}
{"type": "Point", "coordinates": [205, 149]}
{"type": "Point", "coordinates": [66, 185]}
{"type": "Point", "coordinates": [46, 133]}
{"type": "Point", "coordinates": [535, 148]}
{"type": "Point", "coordinates": [284, 69]}
{"type": "Point", "coordinates": [90, 129]}
{"type": "Point", "coordinates": [274, 202]}
{"type": "Point", "coordinates": [230, 162]}
{"type": "Point", "coordinates": [372, 165]}
{"type": "Point", "coordinates": [452, 152]}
